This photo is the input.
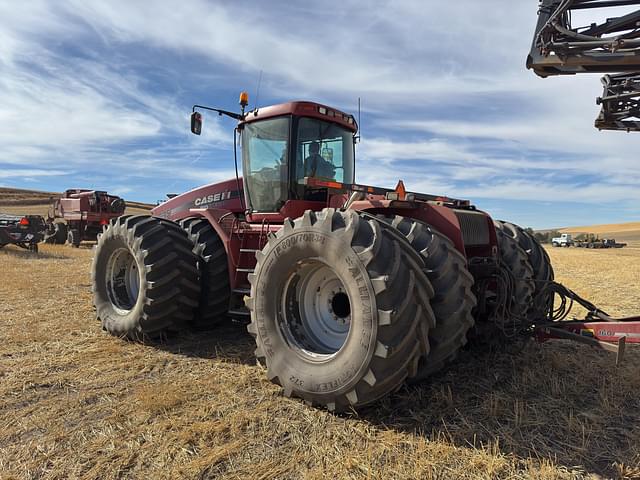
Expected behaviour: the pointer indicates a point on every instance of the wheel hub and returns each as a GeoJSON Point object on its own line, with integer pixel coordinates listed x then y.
{"type": "Point", "coordinates": [316, 311]}
{"type": "Point", "coordinates": [123, 280]}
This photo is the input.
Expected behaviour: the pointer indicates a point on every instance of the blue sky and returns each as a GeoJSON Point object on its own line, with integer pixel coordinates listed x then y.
{"type": "Point", "coordinates": [98, 94]}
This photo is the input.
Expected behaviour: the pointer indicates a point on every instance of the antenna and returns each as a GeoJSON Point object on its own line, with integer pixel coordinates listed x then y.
{"type": "Point", "coordinates": [258, 91]}
{"type": "Point", "coordinates": [359, 124]}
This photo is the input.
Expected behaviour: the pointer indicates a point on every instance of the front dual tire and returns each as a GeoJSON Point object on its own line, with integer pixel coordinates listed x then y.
{"type": "Point", "coordinates": [144, 277]}
{"type": "Point", "coordinates": [340, 309]}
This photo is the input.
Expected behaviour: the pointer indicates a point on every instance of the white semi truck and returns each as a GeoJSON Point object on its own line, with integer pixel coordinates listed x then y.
{"type": "Point", "coordinates": [564, 240]}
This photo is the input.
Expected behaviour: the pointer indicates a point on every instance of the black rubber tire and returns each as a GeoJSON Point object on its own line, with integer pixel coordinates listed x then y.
{"type": "Point", "coordinates": [541, 264]}
{"type": "Point", "coordinates": [213, 271]}
{"type": "Point", "coordinates": [60, 233]}
{"type": "Point", "coordinates": [516, 261]}
{"type": "Point", "coordinates": [389, 297]}
{"type": "Point", "coordinates": [168, 277]}
{"type": "Point", "coordinates": [453, 302]}
{"type": "Point", "coordinates": [73, 237]}
{"type": "Point", "coordinates": [50, 234]}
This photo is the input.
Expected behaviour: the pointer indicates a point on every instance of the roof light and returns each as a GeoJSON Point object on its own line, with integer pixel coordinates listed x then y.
{"type": "Point", "coordinates": [244, 99]}
{"type": "Point", "coordinates": [350, 120]}
{"type": "Point", "coordinates": [322, 110]}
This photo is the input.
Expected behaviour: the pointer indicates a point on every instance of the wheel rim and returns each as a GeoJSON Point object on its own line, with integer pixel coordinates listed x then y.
{"type": "Point", "coordinates": [315, 315]}
{"type": "Point", "coordinates": [123, 280]}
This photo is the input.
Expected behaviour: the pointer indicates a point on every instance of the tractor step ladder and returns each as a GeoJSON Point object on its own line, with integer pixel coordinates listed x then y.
{"type": "Point", "coordinates": [242, 290]}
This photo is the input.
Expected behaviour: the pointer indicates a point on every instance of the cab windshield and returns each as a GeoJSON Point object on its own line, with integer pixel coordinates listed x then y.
{"type": "Point", "coordinates": [264, 154]}
{"type": "Point", "coordinates": [274, 166]}
{"type": "Point", "coordinates": [324, 150]}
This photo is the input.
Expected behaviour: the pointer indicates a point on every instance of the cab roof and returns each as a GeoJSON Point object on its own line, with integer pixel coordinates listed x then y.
{"type": "Point", "coordinates": [303, 109]}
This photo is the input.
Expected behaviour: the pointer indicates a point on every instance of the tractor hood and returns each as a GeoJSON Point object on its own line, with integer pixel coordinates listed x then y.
{"type": "Point", "coordinates": [222, 195]}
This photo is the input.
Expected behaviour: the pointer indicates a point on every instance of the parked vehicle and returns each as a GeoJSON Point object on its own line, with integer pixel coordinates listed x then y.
{"type": "Point", "coordinates": [25, 231]}
{"type": "Point", "coordinates": [80, 214]}
{"type": "Point", "coordinates": [600, 243]}
{"type": "Point", "coordinates": [564, 240]}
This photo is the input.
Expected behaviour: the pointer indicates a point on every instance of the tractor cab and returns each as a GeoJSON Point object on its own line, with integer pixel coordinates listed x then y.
{"type": "Point", "coordinates": [283, 145]}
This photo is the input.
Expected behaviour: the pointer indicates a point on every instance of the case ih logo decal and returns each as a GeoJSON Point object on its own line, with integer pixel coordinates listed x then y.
{"type": "Point", "coordinates": [218, 197]}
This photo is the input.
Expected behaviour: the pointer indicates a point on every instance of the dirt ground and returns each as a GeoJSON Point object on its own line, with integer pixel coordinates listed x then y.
{"type": "Point", "coordinates": [77, 403]}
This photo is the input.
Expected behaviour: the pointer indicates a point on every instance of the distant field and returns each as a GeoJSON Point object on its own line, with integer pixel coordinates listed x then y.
{"type": "Point", "coordinates": [78, 403]}
{"type": "Point", "coordinates": [33, 202]}
{"type": "Point", "coordinates": [622, 232]}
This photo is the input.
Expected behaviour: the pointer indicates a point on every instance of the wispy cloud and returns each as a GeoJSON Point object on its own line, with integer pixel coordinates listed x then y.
{"type": "Point", "coordinates": [98, 94]}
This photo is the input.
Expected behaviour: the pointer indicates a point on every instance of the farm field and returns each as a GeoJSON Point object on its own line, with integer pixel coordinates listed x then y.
{"type": "Point", "coordinates": [77, 403]}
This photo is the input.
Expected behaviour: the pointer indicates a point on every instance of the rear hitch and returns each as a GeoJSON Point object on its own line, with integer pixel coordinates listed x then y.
{"type": "Point", "coordinates": [597, 328]}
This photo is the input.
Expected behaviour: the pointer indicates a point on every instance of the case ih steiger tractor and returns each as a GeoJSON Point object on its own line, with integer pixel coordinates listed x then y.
{"type": "Point", "coordinates": [350, 289]}
{"type": "Point", "coordinates": [85, 212]}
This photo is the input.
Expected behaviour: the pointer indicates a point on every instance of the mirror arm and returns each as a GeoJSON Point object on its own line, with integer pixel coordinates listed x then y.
{"type": "Point", "coordinates": [233, 115]}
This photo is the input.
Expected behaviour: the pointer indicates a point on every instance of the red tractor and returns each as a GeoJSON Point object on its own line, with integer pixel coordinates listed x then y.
{"type": "Point", "coordinates": [351, 290]}
{"type": "Point", "coordinates": [86, 212]}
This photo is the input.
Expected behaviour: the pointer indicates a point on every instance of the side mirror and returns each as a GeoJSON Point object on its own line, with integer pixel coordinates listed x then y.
{"type": "Point", "coordinates": [196, 123]}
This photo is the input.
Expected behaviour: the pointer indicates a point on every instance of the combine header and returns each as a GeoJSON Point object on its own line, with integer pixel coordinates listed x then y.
{"type": "Point", "coordinates": [350, 290]}
{"type": "Point", "coordinates": [609, 42]}
{"type": "Point", "coordinates": [85, 212]}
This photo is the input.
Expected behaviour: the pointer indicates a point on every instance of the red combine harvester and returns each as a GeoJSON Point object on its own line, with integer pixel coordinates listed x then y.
{"type": "Point", "coordinates": [351, 289]}
{"type": "Point", "coordinates": [85, 212]}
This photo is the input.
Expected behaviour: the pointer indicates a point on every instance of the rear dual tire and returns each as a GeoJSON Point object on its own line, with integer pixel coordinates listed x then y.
{"type": "Point", "coordinates": [453, 302]}
{"type": "Point", "coordinates": [518, 284]}
{"type": "Point", "coordinates": [541, 298]}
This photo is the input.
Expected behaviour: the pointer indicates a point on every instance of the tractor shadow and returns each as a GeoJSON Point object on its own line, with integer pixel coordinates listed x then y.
{"type": "Point", "coordinates": [17, 252]}
{"type": "Point", "coordinates": [228, 341]}
{"type": "Point", "coordinates": [559, 403]}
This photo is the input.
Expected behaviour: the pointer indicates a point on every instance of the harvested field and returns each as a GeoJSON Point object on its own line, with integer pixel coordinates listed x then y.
{"type": "Point", "coordinates": [76, 403]}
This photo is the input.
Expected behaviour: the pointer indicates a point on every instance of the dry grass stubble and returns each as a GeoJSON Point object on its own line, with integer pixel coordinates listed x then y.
{"type": "Point", "coordinates": [75, 402]}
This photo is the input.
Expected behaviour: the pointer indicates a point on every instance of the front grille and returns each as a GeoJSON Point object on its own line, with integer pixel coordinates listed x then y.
{"type": "Point", "coordinates": [475, 227]}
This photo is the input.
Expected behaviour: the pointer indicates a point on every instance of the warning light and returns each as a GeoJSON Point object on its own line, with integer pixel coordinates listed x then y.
{"type": "Point", "coordinates": [400, 190]}
{"type": "Point", "coordinates": [104, 221]}
{"type": "Point", "coordinates": [244, 99]}
{"type": "Point", "coordinates": [24, 221]}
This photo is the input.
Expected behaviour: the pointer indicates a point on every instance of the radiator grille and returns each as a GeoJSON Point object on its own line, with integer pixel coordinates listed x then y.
{"type": "Point", "coordinates": [475, 227]}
